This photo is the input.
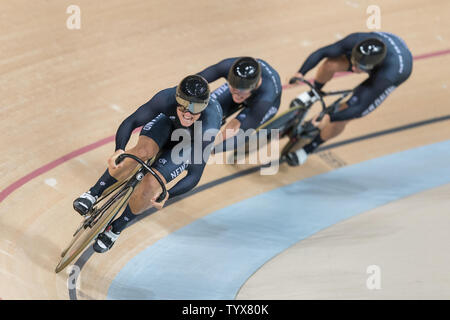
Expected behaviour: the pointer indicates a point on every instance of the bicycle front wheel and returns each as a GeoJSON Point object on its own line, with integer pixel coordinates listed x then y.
{"type": "Point", "coordinates": [87, 233]}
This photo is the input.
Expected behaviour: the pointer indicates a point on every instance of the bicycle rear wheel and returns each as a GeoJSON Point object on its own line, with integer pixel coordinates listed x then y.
{"type": "Point", "coordinates": [88, 232]}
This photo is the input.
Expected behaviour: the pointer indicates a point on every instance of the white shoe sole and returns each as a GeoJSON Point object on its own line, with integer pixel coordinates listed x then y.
{"type": "Point", "coordinates": [302, 156]}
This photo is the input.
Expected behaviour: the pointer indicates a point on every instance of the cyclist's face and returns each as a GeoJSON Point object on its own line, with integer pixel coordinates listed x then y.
{"type": "Point", "coordinates": [186, 118]}
{"type": "Point", "coordinates": [239, 96]}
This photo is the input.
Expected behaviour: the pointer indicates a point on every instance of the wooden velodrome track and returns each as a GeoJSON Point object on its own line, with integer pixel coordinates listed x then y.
{"type": "Point", "coordinates": [64, 93]}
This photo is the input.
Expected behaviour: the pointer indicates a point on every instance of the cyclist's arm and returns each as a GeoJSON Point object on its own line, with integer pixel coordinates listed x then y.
{"type": "Point", "coordinates": [229, 130]}
{"type": "Point", "coordinates": [141, 116]}
{"type": "Point", "coordinates": [188, 182]}
{"type": "Point", "coordinates": [331, 51]}
{"type": "Point", "coordinates": [250, 118]}
{"type": "Point", "coordinates": [194, 170]}
{"type": "Point", "coordinates": [217, 71]}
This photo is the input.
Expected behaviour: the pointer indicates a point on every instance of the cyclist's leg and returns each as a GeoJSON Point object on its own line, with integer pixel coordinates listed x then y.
{"type": "Point", "coordinates": [328, 68]}
{"type": "Point", "coordinates": [366, 98]}
{"type": "Point", "coordinates": [335, 128]}
{"type": "Point", "coordinates": [141, 199]}
{"type": "Point", "coordinates": [153, 135]}
{"type": "Point", "coordinates": [151, 139]}
{"type": "Point", "coordinates": [145, 149]}
{"type": "Point", "coordinates": [149, 188]}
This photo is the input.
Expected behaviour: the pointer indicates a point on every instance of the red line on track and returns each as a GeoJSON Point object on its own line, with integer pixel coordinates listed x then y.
{"type": "Point", "coordinates": [49, 166]}
{"type": "Point", "coordinates": [17, 184]}
{"type": "Point", "coordinates": [432, 54]}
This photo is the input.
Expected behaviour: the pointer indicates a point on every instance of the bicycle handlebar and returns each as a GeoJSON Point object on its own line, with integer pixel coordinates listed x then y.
{"type": "Point", "coordinates": [163, 194]}
{"type": "Point", "coordinates": [316, 93]}
{"type": "Point", "coordinates": [321, 94]}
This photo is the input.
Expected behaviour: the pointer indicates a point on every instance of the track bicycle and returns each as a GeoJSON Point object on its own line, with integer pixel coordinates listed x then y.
{"type": "Point", "coordinates": [292, 124]}
{"type": "Point", "coordinates": [106, 209]}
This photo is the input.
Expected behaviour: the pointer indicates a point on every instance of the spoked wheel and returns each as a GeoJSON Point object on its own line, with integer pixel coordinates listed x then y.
{"type": "Point", "coordinates": [92, 226]}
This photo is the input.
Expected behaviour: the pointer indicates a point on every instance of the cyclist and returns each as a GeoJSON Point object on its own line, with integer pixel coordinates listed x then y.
{"type": "Point", "coordinates": [386, 59]}
{"type": "Point", "coordinates": [170, 109]}
{"type": "Point", "coordinates": [252, 84]}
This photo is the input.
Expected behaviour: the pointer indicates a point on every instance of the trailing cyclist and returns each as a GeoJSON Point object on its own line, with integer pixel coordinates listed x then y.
{"type": "Point", "coordinates": [252, 84]}
{"type": "Point", "coordinates": [386, 59]}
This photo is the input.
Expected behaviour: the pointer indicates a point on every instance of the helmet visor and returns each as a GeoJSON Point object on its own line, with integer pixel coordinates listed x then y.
{"type": "Point", "coordinates": [191, 107]}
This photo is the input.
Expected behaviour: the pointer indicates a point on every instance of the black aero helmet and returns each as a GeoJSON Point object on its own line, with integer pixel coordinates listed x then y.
{"type": "Point", "coordinates": [193, 94]}
{"type": "Point", "coordinates": [368, 53]}
{"type": "Point", "coordinates": [244, 74]}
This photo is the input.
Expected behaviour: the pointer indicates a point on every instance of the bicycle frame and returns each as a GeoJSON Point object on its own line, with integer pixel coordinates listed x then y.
{"type": "Point", "coordinates": [293, 124]}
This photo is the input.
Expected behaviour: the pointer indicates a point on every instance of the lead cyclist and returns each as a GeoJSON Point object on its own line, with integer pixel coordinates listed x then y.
{"type": "Point", "coordinates": [386, 59]}
{"type": "Point", "coordinates": [173, 110]}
